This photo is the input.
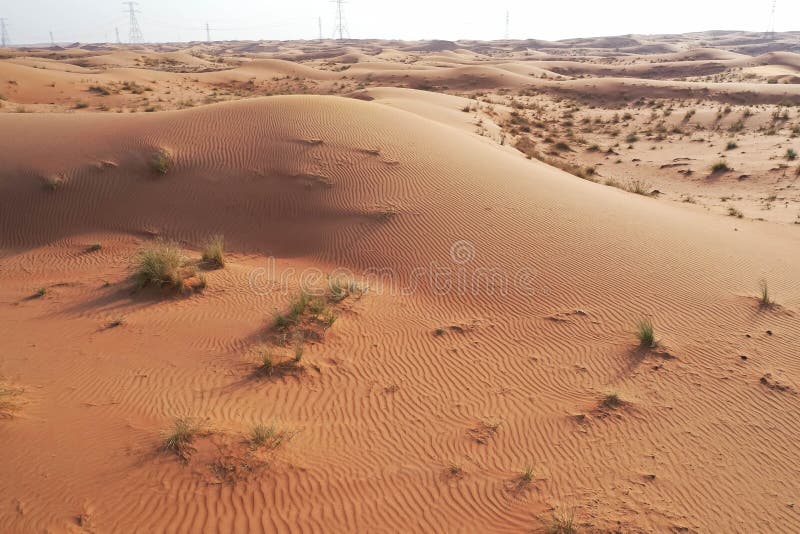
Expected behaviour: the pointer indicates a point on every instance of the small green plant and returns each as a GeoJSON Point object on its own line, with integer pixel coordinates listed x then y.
{"type": "Point", "coordinates": [720, 167]}
{"type": "Point", "coordinates": [631, 138]}
{"type": "Point", "coordinates": [298, 351]}
{"type": "Point", "coordinates": [329, 317]}
{"type": "Point", "coordinates": [179, 439]}
{"type": "Point", "coordinates": [42, 291]}
{"type": "Point", "coordinates": [562, 523]}
{"type": "Point", "coordinates": [527, 475]}
{"type": "Point", "coordinates": [298, 306]}
{"type": "Point", "coordinates": [119, 321]}
{"type": "Point", "coordinates": [281, 321]}
{"type": "Point", "coordinates": [94, 247]}
{"type": "Point", "coordinates": [731, 146]}
{"type": "Point", "coordinates": [202, 281]}
{"type": "Point", "coordinates": [161, 162]}
{"type": "Point", "coordinates": [646, 333]}
{"type": "Point", "coordinates": [455, 469]}
{"type": "Point", "coordinates": [765, 299]}
{"type": "Point", "coordinates": [266, 436]}
{"type": "Point", "coordinates": [267, 363]}
{"type": "Point", "coordinates": [214, 250]}
{"type": "Point", "coordinates": [611, 400]}
{"type": "Point", "coordinates": [791, 154]}
{"type": "Point", "coordinates": [338, 290]}
{"type": "Point", "coordinates": [159, 264]}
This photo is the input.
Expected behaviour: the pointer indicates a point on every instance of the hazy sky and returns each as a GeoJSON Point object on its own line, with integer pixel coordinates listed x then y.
{"type": "Point", "coordinates": [29, 21]}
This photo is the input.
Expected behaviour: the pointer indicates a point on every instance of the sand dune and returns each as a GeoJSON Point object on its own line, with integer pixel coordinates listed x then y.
{"type": "Point", "coordinates": [503, 294]}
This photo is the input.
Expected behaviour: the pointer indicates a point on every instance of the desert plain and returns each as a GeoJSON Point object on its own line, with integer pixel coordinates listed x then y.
{"type": "Point", "coordinates": [388, 286]}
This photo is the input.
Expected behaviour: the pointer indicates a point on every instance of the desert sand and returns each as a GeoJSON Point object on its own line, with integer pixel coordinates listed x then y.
{"type": "Point", "coordinates": [437, 259]}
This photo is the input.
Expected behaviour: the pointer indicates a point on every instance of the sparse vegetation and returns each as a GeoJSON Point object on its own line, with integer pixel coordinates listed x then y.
{"type": "Point", "coordinates": [214, 251]}
{"type": "Point", "coordinates": [42, 291]}
{"type": "Point", "coordinates": [526, 477]}
{"type": "Point", "coordinates": [267, 364]}
{"type": "Point", "coordinates": [734, 212]}
{"type": "Point", "coordinates": [179, 439]}
{"type": "Point", "coordinates": [765, 298]}
{"type": "Point", "coordinates": [159, 264]}
{"type": "Point", "coordinates": [638, 186]}
{"type": "Point", "coordinates": [266, 437]}
{"type": "Point", "coordinates": [119, 321]}
{"type": "Point", "coordinates": [99, 89]}
{"type": "Point", "coordinates": [611, 400]}
{"type": "Point", "coordinates": [161, 161]}
{"type": "Point", "coordinates": [54, 181]}
{"type": "Point", "coordinates": [731, 146]}
{"type": "Point", "coordinates": [791, 154]}
{"type": "Point", "coordinates": [645, 333]}
{"type": "Point", "coordinates": [562, 523]}
{"type": "Point", "coordinates": [94, 247]}
{"type": "Point", "coordinates": [720, 167]}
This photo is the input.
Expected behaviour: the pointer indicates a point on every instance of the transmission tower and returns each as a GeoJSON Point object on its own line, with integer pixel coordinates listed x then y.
{"type": "Point", "coordinates": [320, 29]}
{"type": "Point", "coordinates": [770, 33]}
{"type": "Point", "coordinates": [135, 35]}
{"type": "Point", "coordinates": [208, 33]}
{"type": "Point", "coordinates": [52, 41]}
{"type": "Point", "coordinates": [117, 30]}
{"type": "Point", "coordinates": [4, 40]}
{"type": "Point", "coordinates": [508, 26]}
{"type": "Point", "coordinates": [341, 25]}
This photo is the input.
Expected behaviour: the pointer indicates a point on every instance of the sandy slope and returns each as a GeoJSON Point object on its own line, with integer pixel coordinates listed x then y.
{"type": "Point", "coordinates": [385, 405]}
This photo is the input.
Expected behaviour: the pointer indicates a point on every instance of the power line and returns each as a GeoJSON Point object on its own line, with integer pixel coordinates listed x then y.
{"type": "Point", "coordinates": [135, 35]}
{"type": "Point", "coordinates": [4, 40]}
{"type": "Point", "coordinates": [341, 24]}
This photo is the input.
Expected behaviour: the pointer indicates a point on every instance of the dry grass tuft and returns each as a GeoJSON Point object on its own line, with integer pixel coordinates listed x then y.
{"type": "Point", "coordinates": [214, 251]}
{"type": "Point", "coordinates": [159, 264]}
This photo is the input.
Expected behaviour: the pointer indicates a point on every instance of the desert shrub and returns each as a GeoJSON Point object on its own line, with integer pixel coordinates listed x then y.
{"type": "Point", "coordinates": [645, 333]}
{"type": "Point", "coordinates": [266, 436]}
{"type": "Point", "coordinates": [611, 400]}
{"type": "Point", "coordinates": [765, 299]}
{"type": "Point", "coordinates": [161, 162]}
{"type": "Point", "coordinates": [720, 166]}
{"type": "Point", "coordinates": [179, 439]}
{"type": "Point", "coordinates": [159, 264]}
{"type": "Point", "coordinates": [734, 212]}
{"type": "Point", "coordinates": [213, 250]}
{"type": "Point", "coordinates": [638, 186]}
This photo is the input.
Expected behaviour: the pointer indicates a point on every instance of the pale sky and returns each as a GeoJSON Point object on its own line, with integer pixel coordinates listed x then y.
{"type": "Point", "coordinates": [29, 21]}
